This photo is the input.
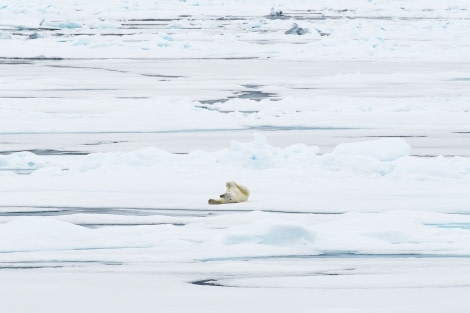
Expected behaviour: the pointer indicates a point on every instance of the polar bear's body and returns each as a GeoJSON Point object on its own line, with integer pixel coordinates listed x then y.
{"type": "Point", "coordinates": [234, 193]}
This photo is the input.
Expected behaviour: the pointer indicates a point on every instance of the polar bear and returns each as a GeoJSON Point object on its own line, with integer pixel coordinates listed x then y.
{"type": "Point", "coordinates": [235, 193]}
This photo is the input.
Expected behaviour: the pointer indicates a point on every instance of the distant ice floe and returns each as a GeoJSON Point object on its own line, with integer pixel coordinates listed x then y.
{"type": "Point", "coordinates": [386, 156]}
{"type": "Point", "coordinates": [22, 161]}
{"type": "Point", "coordinates": [259, 155]}
{"type": "Point", "coordinates": [275, 12]}
{"type": "Point", "coordinates": [296, 30]}
{"type": "Point", "coordinates": [360, 28]}
{"type": "Point", "coordinates": [389, 149]}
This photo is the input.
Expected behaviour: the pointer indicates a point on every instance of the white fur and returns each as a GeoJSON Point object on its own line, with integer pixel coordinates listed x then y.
{"type": "Point", "coordinates": [234, 193]}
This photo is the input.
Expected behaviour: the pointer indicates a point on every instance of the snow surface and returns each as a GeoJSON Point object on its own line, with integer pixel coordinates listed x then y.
{"type": "Point", "coordinates": [120, 119]}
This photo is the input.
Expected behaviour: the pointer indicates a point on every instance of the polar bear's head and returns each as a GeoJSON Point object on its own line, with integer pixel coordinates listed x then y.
{"type": "Point", "coordinates": [228, 196]}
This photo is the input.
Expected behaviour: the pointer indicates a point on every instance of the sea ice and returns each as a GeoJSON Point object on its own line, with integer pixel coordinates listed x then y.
{"type": "Point", "coordinates": [358, 170]}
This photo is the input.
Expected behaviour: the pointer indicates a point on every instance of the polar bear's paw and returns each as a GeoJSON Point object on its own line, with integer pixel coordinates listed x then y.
{"type": "Point", "coordinates": [214, 201]}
